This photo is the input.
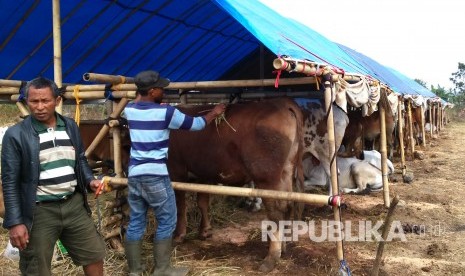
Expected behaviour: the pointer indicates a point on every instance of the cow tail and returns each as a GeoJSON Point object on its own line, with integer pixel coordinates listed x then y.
{"type": "Point", "coordinates": [298, 181]}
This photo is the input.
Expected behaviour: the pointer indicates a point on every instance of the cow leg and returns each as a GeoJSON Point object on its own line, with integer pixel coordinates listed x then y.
{"type": "Point", "coordinates": [277, 211]}
{"type": "Point", "coordinates": [205, 228]}
{"type": "Point", "coordinates": [180, 231]}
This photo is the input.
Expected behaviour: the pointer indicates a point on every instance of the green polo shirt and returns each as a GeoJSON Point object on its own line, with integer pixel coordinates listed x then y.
{"type": "Point", "coordinates": [57, 158]}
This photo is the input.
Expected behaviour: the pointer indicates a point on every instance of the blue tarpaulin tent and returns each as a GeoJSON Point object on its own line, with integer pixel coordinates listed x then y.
{"type": "Point", "coordinates": [186, 40]}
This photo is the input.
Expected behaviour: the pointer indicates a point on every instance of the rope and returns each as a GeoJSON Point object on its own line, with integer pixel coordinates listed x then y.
{"type": "Point", "coordinates": [123, 79]}
{"type": "Point", "coordinates": [278, 74]}
{"type": "Point", "coordinates": [77, 114]}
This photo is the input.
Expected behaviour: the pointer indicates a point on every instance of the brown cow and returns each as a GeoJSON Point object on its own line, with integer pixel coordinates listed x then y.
{"type": "Point", "coordinates": [103, 152]}
{"type": "Point", "coordinates": [259, 142]}
{"type": "Point", "coordinates": [369, 129]}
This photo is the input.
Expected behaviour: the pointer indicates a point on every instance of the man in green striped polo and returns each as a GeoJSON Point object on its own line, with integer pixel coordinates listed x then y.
{"type": "Point", "coordinates": [46, 178]}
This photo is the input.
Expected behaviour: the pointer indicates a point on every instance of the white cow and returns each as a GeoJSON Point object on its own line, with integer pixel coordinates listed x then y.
{"type": "Point", "coordinates": [354, 175]}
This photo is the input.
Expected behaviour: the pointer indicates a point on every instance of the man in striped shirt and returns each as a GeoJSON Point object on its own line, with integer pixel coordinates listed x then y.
{"type": "Point", "coordinates": [149, 184]}
{"type": "Point", "coordinates": [45, 178]}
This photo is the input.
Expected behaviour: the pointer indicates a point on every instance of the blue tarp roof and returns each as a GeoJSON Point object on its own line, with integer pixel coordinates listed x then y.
{"type": "Point", "coordinates": [186, 40]}
{"type": "Point", "coordinates": [394, 79]}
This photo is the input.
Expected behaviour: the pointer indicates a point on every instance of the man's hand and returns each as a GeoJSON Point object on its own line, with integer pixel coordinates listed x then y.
{"type": "Point", "coordinates": [219, 109]}
{"type": "Point", "coordinates": [94, 184]}
{"type": "Point", "coordinates": [19, 236]}
{"type": "Point", "coordinates": [215, 112]}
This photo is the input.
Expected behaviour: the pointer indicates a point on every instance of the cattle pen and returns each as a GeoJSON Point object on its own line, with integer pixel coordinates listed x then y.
{"type": "Point", "coordinates": [125, 92]}
{"type": "Point", "coordinates": [319, 80]}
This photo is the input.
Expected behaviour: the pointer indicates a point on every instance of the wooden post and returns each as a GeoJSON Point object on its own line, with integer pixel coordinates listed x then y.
{"type": "Point", "coordinates": [422, 126]}
{"type": "Point", "coordinates": [435, 124]}
{"type": "Point", "coordinates": [57, 69]}
{"type": "Point", "coordinates": [182, 96]}
{"type": "Point", "coordinates": [22, 109]}
{"type": "Point", "coordinates": [400, 125]}
{"type": "Point", "coordinates": [440, 115]}
{"type": "Point", "coordinates": [410, 128]}
{"type": "Point", "coordinates": [386, 228]}
{"type": "Point", "coordinates": [383, 149]}
{"type": "Point", "coordinates": [105, 128]}
{"type": "Point", "coordinates": [333, 168]}
{"type": "Point", "coordinates": [430, 119]}
{"type": "Point", "coordinates": [117, 148]}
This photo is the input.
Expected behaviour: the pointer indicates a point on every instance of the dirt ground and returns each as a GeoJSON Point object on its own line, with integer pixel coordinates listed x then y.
{"type": "Point", "coordinates": [430, 211]}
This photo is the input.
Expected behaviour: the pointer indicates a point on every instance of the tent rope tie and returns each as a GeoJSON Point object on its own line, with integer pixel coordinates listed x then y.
{"type": "Point", "coordinates": [122, 78]}
{"type": "Point", "coordinates": [108, 94]}
{"type": "Point", "coordinates": [77, 114]}
{"type": "Point", "coordinates": [22, 92]}
{"type": "Point", "coordinates": [278, 74]}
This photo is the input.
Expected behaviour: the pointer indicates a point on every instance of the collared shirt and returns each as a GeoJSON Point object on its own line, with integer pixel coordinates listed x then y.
{"type": "Point", "coordinates": [149, 127]}
{"type": "Point", "coordinates": [57, 158]}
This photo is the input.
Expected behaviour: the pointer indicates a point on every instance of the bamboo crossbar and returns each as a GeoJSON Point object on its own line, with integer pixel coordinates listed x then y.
{"type": "Point", "coordinates": [238, 191]}
{"type": "Point", "coordinates": [104, 78]}
{"type": "Point", "coordinates": [172, 85]}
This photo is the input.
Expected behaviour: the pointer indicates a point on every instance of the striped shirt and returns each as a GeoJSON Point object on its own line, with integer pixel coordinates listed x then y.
{"type": "Point", "coordinates": [57, 158]}
{"type": "Point", "coordinates": [149, 126]}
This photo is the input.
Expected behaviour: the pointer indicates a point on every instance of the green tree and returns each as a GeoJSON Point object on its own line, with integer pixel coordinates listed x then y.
{"type": "Point", "coordinates": [441, 92]}
{"type": "Point", "coordinates": [458, 79]}
{"type": "Point", "coordinates": [421, 82]}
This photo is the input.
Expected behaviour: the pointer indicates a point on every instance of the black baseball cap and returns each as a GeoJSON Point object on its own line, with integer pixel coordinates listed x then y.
{"type": "Point", "coordinates": [146, 80]}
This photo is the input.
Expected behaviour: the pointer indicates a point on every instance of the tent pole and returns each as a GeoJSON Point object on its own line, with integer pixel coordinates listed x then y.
{"type": "Point", "coordinates": [422, 126]}
{"type": "Point", "coordinates": [384, 168]}
{"type": "Point", "coordinates": [333, 168]}
{"type": "Point", "coordinates": [57, 69]}
{"type": "Point", "coordinates": [410, 128]}
{"type": "Point", "coordinates": [400, 129]}
{"type": "Point", "coordinates": [430, 120]}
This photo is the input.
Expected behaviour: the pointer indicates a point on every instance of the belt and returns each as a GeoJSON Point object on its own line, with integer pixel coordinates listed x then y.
{"type": "Point", "coordinates": [58, 200]}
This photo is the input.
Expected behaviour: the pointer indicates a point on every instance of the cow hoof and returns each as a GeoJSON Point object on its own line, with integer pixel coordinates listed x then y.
{"type": "Point", "coordinates": [178, 239]}
{"type": "Point", "coordinates": [205, 234]}
{"type": "Point", "coordinates": [267, 265]}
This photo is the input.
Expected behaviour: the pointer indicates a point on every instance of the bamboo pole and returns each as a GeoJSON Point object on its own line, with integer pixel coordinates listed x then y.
{"type": "Point", "coordinates": [430, 119]}
{"type": "Point", "coordinates": [410, 128]}
{"type": "Point", "coordinates": [183, 85]}
{"type": "Point", "coordinates": [333, 167]}
{"type": "Point", "coordinates": [383, 149]}
{"type": "Point", "coordinates": [105, 128]}
{"type": "Point", "coordinates": [386, 228]}
{"type": "Point", "coordinates": [11, 83]}
{"type": "Point", "coordinates": [400, 128]}
{"type": "Point", "coordinates": [104, 78]}
{"type": "Point", "coordinates": [57, 67]}
{"type": "Point", "coordinates": [22, 109]}
{"type": "Point", "coordinates": [440, 115]}
{"type": "Point", "coordinates": [313, 199]}
{"type": "Point", "coordinates": [435, 119]}
{"type": "Point", "coordinates": [422, 126]}
{"type": "Point", "coordinates": [116, 132]}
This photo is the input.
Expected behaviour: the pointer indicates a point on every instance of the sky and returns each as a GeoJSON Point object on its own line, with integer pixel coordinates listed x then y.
{"type": "Point", "coordinates": [422, 39]}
